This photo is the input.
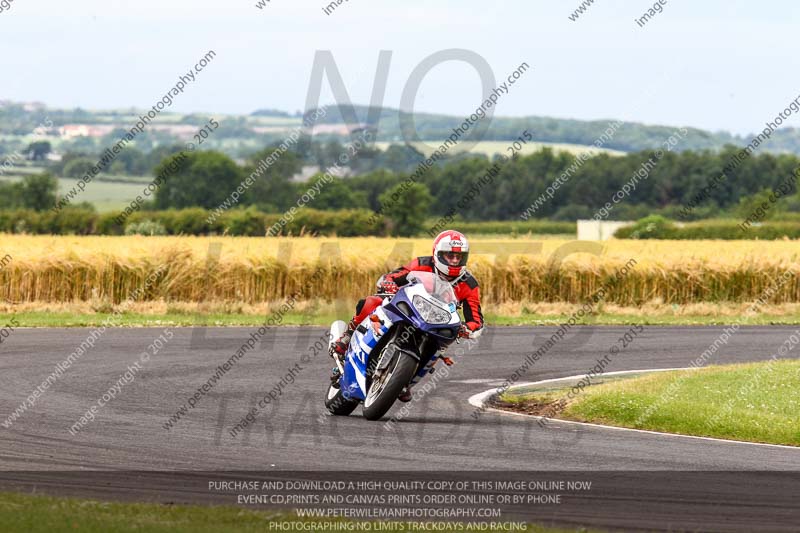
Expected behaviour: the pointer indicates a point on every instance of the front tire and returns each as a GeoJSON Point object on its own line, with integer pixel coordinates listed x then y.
{"type": "Point", "coordinates": [337, 404]}
{"type": "Point", "coordinates": [397, 376]}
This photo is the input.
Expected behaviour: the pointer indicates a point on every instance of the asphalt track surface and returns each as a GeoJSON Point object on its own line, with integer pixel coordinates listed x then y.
{"type": "Point", "coordinates": [438, 434]}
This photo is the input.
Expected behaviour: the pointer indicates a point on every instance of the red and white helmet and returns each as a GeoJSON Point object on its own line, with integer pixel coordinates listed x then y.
{"type": "Point", "coordinates": [450, 253]}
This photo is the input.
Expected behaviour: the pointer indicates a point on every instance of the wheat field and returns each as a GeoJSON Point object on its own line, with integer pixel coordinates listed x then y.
{"type": "Point", "coordinates": [65, 269]}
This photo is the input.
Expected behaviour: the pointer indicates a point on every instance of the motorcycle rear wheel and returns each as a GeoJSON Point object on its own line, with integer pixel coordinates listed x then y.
{"type": "Point", "coordinates": [337, 404]}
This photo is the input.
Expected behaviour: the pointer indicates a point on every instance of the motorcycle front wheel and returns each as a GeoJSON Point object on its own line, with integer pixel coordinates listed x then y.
{"type": "Point", "coordinates": [384, 391]}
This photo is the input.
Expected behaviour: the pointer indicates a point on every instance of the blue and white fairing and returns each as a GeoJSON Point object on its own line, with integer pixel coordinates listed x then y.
{"type": "Point", "coordinates": [354, 380]}
{"type": "Point", "coordinates": [426, 303]}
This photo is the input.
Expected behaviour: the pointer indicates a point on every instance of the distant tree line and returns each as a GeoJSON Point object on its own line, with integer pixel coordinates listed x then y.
{"type": "Point", "coordinates": [502, 190]}
{"type": "Point", "coordinates": [630, 137]}
{"type": "Point", "coordinates": [76, 220]}
{"type": "Point", "coordinates": [676, 179]}
{"type": "Point", "coordinates": [393, 127]}
{"type": "Point", "coordinates": [466, 188]}
{"type": "Point", "coordinates": [37, 192]}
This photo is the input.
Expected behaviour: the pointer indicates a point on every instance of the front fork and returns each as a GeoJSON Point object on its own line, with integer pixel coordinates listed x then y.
{"type": "Point", "coordinates": [425, 370]}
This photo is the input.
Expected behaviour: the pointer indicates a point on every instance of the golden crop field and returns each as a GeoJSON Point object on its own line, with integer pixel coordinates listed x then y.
{"type": "Point", "coordinates": [253, 270]}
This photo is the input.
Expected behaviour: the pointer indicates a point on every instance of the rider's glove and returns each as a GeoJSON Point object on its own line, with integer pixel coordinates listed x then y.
{"type": "Point", "coordinates": [466, 333]}
{"type": "Point", "coordinates": [389, 287]}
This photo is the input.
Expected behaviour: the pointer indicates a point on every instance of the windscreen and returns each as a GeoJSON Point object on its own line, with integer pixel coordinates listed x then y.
{"type": "Point", "coordinates": [436, 286]}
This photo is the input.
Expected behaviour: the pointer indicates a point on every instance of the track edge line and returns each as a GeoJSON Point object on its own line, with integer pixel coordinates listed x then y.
{"type": "Point", "coordinates": [478, 400]}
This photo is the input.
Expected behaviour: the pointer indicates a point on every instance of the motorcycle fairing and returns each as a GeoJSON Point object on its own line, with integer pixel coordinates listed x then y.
{"type": "Point", "coordinates": [354, 380]}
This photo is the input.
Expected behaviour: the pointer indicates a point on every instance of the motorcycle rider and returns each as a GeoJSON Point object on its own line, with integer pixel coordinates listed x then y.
{"type": "Point", "coordinates": [449, 261]}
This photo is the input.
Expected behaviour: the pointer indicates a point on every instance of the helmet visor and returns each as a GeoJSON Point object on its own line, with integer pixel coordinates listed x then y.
{"type": "Point", "coordinates": [453, 259]}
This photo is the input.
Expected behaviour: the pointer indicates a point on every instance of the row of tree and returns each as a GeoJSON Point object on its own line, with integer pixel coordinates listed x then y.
{"type": "Point", "coordinates": [472, 188]}
{"type": "Point", "coordinates": [134, 162]}
{"type": "Point", "coordinates": [37, 192]}
{"type": "Point", "coordinates": [208, 178]}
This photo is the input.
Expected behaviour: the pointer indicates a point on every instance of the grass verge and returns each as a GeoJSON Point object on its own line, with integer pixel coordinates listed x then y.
{"type": "Point", "coordinates": [156, 315]}
{"type": "Point", "coordinates": [754, 402]}
{"type": "Point", "coordinates": [45, 514]}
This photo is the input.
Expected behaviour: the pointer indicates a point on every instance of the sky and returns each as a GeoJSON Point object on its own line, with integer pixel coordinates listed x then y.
{"type": "Point", "coordinates": [723, 65]}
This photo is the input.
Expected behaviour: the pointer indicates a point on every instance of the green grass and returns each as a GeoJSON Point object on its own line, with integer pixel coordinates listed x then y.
{"type": "Point", "coordinates": [44, 514]}
{"type": "Point", "coordinates": [107, 195]}
{"type": "Point", "coordinates": [104, 194]}
{"type": "Point", "coordinates": [132, 319]}
{"type": "Point", "coordinates": [754, 402]}
{"type": "Point", "coordinates": [23, 513]}
{"type": "Point", "coordinates": [491, 148]}
{"type": "Point", "coordinates": [21, 171]}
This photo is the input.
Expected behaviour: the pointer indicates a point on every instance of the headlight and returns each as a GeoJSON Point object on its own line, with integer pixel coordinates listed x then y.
{"type": "Point", "coordinates": [432, 314]}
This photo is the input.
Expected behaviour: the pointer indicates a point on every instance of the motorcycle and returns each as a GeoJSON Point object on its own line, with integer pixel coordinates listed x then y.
{"type": "Point", "coordinates": [398, 342]}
